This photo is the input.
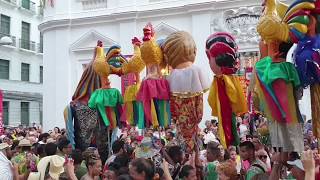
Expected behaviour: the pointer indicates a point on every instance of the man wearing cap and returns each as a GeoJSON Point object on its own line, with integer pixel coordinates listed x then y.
{"type": "Point", "coordinates": [5, 164]}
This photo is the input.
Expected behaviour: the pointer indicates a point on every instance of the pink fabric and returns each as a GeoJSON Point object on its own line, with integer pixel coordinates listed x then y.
{"type": "Point", "coordinates": [281, 92]}
{"type": "Point", "coordinates": [246, 165]}
{"type": "Point", "coordinates": [154, 88]}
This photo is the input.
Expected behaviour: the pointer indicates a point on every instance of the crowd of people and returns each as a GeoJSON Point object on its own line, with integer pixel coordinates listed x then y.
{"type": "Point", "coordinates": [29, 153]}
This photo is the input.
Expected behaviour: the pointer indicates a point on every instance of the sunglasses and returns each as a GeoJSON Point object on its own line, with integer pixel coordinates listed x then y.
{"type": "Point", "coordinates": [263, 156]}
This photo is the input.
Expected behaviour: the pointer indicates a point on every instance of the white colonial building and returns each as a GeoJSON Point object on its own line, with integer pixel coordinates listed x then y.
{"type": "Point", "coordinates": [21, 66]}
{"type": "Point", "coordinates": [71, 29]}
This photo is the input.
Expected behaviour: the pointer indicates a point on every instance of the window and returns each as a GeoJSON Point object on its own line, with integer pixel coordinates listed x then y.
{"type": "Point", "coordinates": [25, 4]}
{"type": "Point", "coordinates": [25, 68]}
{"type": "Point", "coordinates": [41, 114]}
{"type": "Point", "coordinates": [5, 112]}
{"type": "Point", "coordinates": [41, 43]}
{"type": "Point", "coordinates": [5, 24]}
{"type": "Point", "coordinates": [25, 113]}
{"type": "Point", "coordinates": [41, 74]}
{"type": "Point", "coordinates": [4, 69]}
{"type": "Point", "coordinates": [25, 35]}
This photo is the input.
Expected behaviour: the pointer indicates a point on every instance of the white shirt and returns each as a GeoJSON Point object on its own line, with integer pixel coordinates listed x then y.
{"type": "Point", "coordinates": [5, 168]}
{"type": "Point", "coordinates": [243, 130]}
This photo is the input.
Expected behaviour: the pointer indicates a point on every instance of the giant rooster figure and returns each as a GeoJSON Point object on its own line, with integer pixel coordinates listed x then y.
{"type": "Point", "coordinates": [95, 106]}
{"type": "Point", "coordinates": [154, 89]}
{"type": "Point", "coordinates": [278, 80]}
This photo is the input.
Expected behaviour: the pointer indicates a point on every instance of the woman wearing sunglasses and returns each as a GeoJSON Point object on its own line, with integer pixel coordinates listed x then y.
{"type": "Point", "coordinates": [262, 155]}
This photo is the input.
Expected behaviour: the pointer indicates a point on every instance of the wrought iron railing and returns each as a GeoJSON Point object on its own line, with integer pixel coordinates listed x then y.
{"type": "Point", "coordinates": [26, 44]}
{"type": "Point", "coordinates": [40, 12]}
{"type": "Point", "coordinates": [39, 47]}
{"type": "Point", "coordinates": [14, 2]}
{"type": "Point", "coordinates": [29, 5]}
{"type": "Point", "coordinates": [13, 38]}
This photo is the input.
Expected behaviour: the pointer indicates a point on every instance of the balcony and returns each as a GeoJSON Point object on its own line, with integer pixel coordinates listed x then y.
{"type": "Point", "coordinates": [28, 6]}
{"type": "Point", "coordinates": [14, 44]}
{"type": "Point", "coordinates": [27, 45]}
{"type": "Point", "coordinates": [40, 11]}
{"type": "Point", "coordinates": [39, 48]}
{"type": "Point", "coordinates": [12, 3]}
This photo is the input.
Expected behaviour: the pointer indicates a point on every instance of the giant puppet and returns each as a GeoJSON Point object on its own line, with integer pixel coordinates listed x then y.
{"type": "Point", "coordinates": [95, 108]}
{"type": "Point", "coordinates": [186, 81]}
{"type": "Point", "coordinates": [279, 81]}
{"type": "Point", "coordinates": [153, 92]}
{"type": "Point", "coordinates": [226, 96]}
{"type": "Point", "coordinates": [187, 85]}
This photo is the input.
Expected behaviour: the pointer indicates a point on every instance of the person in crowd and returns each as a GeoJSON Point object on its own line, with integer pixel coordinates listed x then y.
{"type": "Point", "coordinates": [117, 149]}
{"type": "Point", "coordinates": [170, 137]}
{"type": "Point", "coordinates": [176, 160]}
{"type": "Point", "coordinates": [242, 128]}
{"type": "Point", "coordinates": [79, 170]}
{"type": "Point", "coordinates": [295, 166]}
{"type": "Point", "coordinates": [94, 166]}
{"type": "Point", "coordinates": [64, 146]}
{"type": "Point", "coordinates": [26, 160]}
{"type": "Point", "coordinates": [43, 138]}
{"type": "Point", "coordinates": [5, 164]}
{"type": "Point", "coordinates": [227, 171]}
{"type": "Point", "coordinates": [208, 127]}
{"type": "Point", "coordinates": [187, 173]}
{"type": "Point", "coordinates": [50, 149]}
{"type": "Point", "coordinates": [262, 155]}
{"type": "Point", "coordinates": [249, 137]}
{"type": "Point", "coordinates": [38, 150]}
{"type": "Point", "coordinates": [235, 158]}
{"type": "Point", "coordinates": [213, 156]}
{"type": "Point", "coordinates": [142, 169]}
{"type": "Point", "coordinates": [247, 152]}
{"type": "Point", "coordinates": [57, 130]}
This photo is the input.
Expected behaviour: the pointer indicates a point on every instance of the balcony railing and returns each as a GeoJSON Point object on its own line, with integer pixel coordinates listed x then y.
{"type": "Point", "coordinates": [29, 5]}
{"type": "Point", "coordinates": [12, 2]}
{"type": "Point", "coordinates": [28, 45]}
{"type": "Point", "coordinates": [40, 12]}
{"type": "Point", "coordinates": [13, 38]}
{"type": "Point", "coordinates": [39, 48]}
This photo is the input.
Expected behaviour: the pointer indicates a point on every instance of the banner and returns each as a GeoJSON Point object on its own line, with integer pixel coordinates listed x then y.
{"type": "Point", "coordinates": [127, 80]}
{"type": "Point", "coordinates": [1, 113]}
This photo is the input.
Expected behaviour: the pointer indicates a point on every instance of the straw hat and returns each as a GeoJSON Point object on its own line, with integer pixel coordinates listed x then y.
{"type": "Point", "coordinates": [55, 163]}
{"type": "Point", "coordinates": [25, 143]}
{"type": "Point", "coordinates": [34, 176]}
{"type": "Point", "coordinates": [4, 146]}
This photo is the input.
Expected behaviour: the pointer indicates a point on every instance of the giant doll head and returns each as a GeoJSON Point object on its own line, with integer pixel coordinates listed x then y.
{"type": "Point", "coordinates": [179, 47]}
{"type": "Point", "coordinates": [221, 50]}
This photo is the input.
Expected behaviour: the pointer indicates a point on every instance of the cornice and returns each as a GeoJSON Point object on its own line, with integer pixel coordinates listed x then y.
{"type": "Point", "coordinates": [138, 12]}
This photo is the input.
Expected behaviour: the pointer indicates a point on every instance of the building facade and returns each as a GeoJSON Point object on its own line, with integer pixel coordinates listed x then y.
{"type": "Point", "coordinates": [72, 28]}
{"type": "Point", "coordinates": [21, 66]}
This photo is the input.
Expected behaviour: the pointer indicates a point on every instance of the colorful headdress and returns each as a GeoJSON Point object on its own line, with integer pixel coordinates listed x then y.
{"type": "Point", "coordinates": [223, 48]}
{"type": "Point", "coordinates": [221, 43]}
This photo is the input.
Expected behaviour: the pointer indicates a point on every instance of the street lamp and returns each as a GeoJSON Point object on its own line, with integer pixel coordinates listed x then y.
{"type": "Point", "coordinates": [5, 40]}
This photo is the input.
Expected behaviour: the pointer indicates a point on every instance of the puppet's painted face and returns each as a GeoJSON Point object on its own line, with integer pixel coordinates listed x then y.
{"type": "Point", "coordinates": [221, 51]}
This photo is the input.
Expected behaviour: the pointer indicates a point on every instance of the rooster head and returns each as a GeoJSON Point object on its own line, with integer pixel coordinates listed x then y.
{"type": "Point", "coordinates": [148, 32]}
{"type": "Point", "coordinates": [99, 43]}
